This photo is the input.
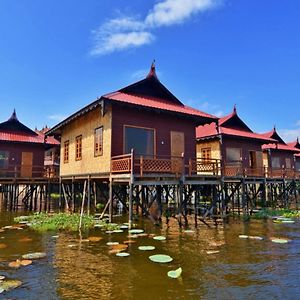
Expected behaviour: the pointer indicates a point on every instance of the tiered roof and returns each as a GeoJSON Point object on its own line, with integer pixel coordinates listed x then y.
{"type": "Point", "coordinates": [149, 94]}
{"type": "Point", "coordinates": [13, 130]}
{"type": "Point", "coordinates": [230, 125]}
{"type": "Point", "coordinates": [279, 144]}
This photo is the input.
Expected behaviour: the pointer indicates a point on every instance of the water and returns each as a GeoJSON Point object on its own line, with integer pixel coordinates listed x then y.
{"type": "Point", "coordinates": [242, 269]}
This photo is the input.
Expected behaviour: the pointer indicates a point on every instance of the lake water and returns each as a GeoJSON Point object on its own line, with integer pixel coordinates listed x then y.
{"type": "Point", "coordinates": [242, 269]}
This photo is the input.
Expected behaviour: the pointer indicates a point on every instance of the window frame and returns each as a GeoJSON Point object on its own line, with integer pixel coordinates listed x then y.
{"type": "Point", "coordinates": [140, 127]}
{"type": "Point", "coordinates": [6, 160]}
{"type": "Point", "coordinates": [66, 151]}
{"type": "Point", "coordinates": [78, 147]}
{"type": "Point", "coordinates": [98, 152]}
{"type": "Point", "coordinates": [206, 150]}
{"type": "Point", "coordinates": [234, 161]}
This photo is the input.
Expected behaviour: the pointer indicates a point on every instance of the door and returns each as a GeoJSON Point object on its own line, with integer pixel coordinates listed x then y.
{"type": "Point", "coordinates": [177, 149]}
{"type": "Point", "coordinates": [26, 165]}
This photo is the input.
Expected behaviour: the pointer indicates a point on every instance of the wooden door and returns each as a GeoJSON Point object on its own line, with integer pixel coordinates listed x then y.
{"type": "Point", "coordinates": [177, 149]}
{"type": "Point", "coordinates": [26, 165]}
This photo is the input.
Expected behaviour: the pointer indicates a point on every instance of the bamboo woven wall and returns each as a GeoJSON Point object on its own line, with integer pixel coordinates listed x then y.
{"type": "Point", "coordinates": [86, 126]}
{"type": "Point", "coordinates": [213, 144]}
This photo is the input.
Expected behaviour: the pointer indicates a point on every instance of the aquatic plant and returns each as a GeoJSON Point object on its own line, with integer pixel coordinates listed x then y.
{"type": "Point", "coordinates": [161, 258]}
{"type": "Point", "coordinates": [175, 273]}
{"type": "Point", "coordinates": [267, 213]}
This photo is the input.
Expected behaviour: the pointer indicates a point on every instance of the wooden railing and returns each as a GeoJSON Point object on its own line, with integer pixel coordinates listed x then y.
{"type": "Point", "coordinates": [178, 166]}
{"type": "Point", "coordinates": [19, 171]}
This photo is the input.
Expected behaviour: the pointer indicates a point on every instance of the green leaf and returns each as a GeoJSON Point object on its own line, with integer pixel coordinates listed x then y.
{"type": "Point", "coordinates": [161, 258]}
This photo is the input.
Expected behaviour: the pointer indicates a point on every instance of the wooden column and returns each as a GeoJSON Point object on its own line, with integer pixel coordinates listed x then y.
{"type": "Point", "coordinates": [110, 199]}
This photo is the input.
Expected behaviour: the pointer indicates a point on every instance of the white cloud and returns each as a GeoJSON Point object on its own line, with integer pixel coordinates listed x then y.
{"type": "Point", "coordinates": [289, 135]}
{"type": "Point", "coordinates": [128, 32]}
{"type": "Point", "coordinates": [169, 12]}
{"type": "Point", "coordinates": [57, 118]}
{"type": "Point", "coordinates": [218, 113]}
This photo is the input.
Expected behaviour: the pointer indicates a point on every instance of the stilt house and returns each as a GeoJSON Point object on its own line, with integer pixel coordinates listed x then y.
{"type": "Point", "coordinates": [22, 150]}
{"type": "Point", "coordinates": [144, 116]}
{"type": "Point", "coordinates": [233, 142]}
{"type": "Point", "coordinates": [296, 145]}
{"type": "Point", "coordinates": [278, 157]}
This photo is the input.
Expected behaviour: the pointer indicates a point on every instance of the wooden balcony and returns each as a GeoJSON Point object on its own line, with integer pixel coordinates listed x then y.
{"type": "Point", "coordinates": [178, 166]}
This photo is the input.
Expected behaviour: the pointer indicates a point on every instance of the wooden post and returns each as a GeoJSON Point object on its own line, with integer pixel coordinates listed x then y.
{"type": "Point", "coordinates": [244, 197]}
{"type": "Point", "coordinates": [73, 195]}
{"type": "Point", "coordinates": [130, 209]}
{"type": "Point", "coordinates": [82, 205]}
{"type": "Point", "coordinates": [110, 200]}
{"type": "Point", "coordinates": [89, 195]}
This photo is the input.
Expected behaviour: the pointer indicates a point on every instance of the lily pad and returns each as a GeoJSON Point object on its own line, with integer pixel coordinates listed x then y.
{"type": "Point", "coordinates": [129, 242]}
{"type": "Point", "coordinates": [26, 262]}
{"type": "Point", "coordinates": [15, 264]}
{"type": "Point", "coordinates": [212, 251]}
{"type": "Point", "coordinates": [279, 240]}
{"type": "Point", "coordinates": [188, 231]}
{"type": "Point", "coordinates": [288, 221]}
{"type": "Point", "coordinates": [2, 246]}
{"type": "Point", "coordinates": [120, 247]}
{"type": "Point", "coordinates": [25, 239]}
{"type": "Point", "coordinates": [7, 285]}
{"type": "Point", "coordinates": [98, 225]}
{"type": "Point", "coordinates": [122, 254]}
{"type": "Point", "coordinates": [146, 248]}
{"type": "Point", "coordinates": [124, 227]}
{"type": "Point", "coordinates": [95, 238]}
{"type": "Point", "coordinates": [2, 277]}
{"type": "Point", "coordinates": [109, 231]}
{"type": "Point", "coordinates": [254, 237]}
{"type": "Point", "coordinates": [161, 258]}
{"type": "Point", "coordinates": [243, 236]}
{"type": "Point", "coordinates": [175, 273]}
{"type": "Point", "coordinates": [136, 231]}
{"type": "Point", "coordinates": [55, 236]}
{"type": "Point", "coordinates": [34, 255]}
{"type": "Point", "coordinates": [112, 243]}
{"type": "Point", "coordinates": [159, 238]}
{"type": "Point", "coordinates": [118, 231]}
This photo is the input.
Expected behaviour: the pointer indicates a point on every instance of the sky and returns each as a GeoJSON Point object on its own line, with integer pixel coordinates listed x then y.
{"type": "Point", "coordinates": [57, 56]}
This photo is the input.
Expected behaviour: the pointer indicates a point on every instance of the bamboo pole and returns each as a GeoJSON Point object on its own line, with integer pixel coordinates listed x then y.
{"type": "Point", "coordinates": [82, 205]}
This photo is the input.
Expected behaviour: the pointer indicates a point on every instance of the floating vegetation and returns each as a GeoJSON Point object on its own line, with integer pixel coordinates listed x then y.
{"type": "Point", "coordinates": [26, 262]}
{"type": "Point", "coordinates": [175, 273]}
{"type": "Point", "coordinates": [58, 221]}
{"type": "Point", "coordinates": [122, 254]}
{"type": "Point", "coordinates": [136, 231]}
{"type": "Point", "coordinates": [15, 264]}
{"type": "Point", "coordinates": [112, 243]}
{"type": "Point", "coordinates": [280, 240]}
{"type": "Point", "coordinates": [161, 258]}
{"type": "Point", "coordinates": [124, 227]}
{"type": "Point", "coordinates": [95, 238]}
{"type": "Point", "coordinates": [212, 251]}
{"type": "Point", "coordinates": [119, 247]}
{"type": "Point", "coordinates": [255, 237]}
{"type": "Point", "coordinates": [109, 231]}
{"type": "Point", "coordinates": [34, 255]}
{"type": "Point", "coordinates": [71, 245]}
{"type": "Point", "coordinates": [159, 238]}
{"type": "Point", "coordinates": [146, 248]}
{"type": "Point", "coordinates": [118, 231]}
{"type": "Point", "coordinates": [7, 285]}
{"type": "Point", "coordinates": [2, 246]}
{"type": "Point", "coordinates": [269, 213]}
{"type": "Point", "coordinates": [2, 277]}
{"type": "Point", "coordinates": [98, 226]}
{"type": "Point", "coordinates": [55, 236]}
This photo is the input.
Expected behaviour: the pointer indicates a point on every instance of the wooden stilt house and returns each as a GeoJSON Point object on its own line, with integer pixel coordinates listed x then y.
{"type": "Point", "coordinates": [22, 150]}
{"type": "Point", "coordinates": [296, 145]}
{"type": "Point", "coordinates": [233, 142]}
{"type": "Point", "coordinates": [278, 157]}
{"type": "Point", "coordinates": [144, 116]}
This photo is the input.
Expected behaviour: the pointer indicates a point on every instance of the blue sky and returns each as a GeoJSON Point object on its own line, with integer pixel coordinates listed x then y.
{"type": "Point", "coordinates": [56, 56]}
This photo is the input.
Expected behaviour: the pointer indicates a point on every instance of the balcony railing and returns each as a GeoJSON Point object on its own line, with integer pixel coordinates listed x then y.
{"type": "Point", "coordinates": [142, 165]}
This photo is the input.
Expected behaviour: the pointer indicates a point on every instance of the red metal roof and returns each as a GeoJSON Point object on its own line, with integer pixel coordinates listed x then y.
{"type": "Point", "coordinates": [157, 103]}
{"type": "Point", "coordinates": [295, 144]}
{"type": "Point", "coordinates": [280, 147]}
{"type": "Point", "coordinates": [21, 137]}
{"type": "Point", "coordinates": [210, 130]}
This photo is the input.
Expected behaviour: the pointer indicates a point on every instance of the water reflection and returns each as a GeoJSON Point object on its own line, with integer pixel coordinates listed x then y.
{"type": "Point", "coordinates": [216, 263]}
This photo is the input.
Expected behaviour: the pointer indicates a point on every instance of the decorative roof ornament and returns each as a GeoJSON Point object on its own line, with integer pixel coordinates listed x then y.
{"type": "Point", "coordinates": [13, 117]}
{"type": "Point", "coordinates": [234, 109]}
{"type": "Point", "coordinates": [152, 72]}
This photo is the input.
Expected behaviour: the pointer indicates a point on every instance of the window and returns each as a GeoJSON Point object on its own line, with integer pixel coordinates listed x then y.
{"type": "Point", "coordinates": [99, 141]}
{"type": "Point", "coordinates": [78, 149]}
{"type": "Point", "coordinates": [288, 163]}
{"type": "Point", "coordinates": [66, 151]}
{"type": "Point", "coordinates": [4, 156]}
{"type": "Point", "coordinates": [233, 154]}
{"type": "Point", "coordinates": [275, 162]}
{"type": "Point", "coordinates": [297, 165]}
{"type": "Point", "coordinates": [206, 153]}
{"type": "Point", "coordinates": [139, 139]}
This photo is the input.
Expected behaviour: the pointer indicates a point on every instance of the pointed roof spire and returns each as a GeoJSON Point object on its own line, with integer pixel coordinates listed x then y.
{"type": "Point", "coordinates": [234, 109]}
{"type": "Point", "coordinates": [274, 128]}
{"type": "Point", "coordinates": [297, 139]}
{"type": "Point", "coordinates": [152, 72]}
{"type": "Point", "coordinates": [13, 117]}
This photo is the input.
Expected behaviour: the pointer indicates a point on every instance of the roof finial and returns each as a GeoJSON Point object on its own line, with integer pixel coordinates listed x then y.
{"type": "Point", "coordinates": [274, 128]}
{"type": "Point", "coordinates": [152, 72]}
{"type": "Point", "coordinates": [13, 116]}
{"type": "Point", "coordinates": [234, 108]}
{"type": "Point", "coordinates": [297, 139]}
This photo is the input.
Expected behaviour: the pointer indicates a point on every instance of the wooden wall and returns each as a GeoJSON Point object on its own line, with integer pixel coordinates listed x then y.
{"type": "Point", "coordinates": [213, 144]}
{"type": "Point", "coordinates": [282, 156]}
{"type": "Point", "coordinates": [86, 126]}
{"type": "Point", "coordinates": [161, 122]}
